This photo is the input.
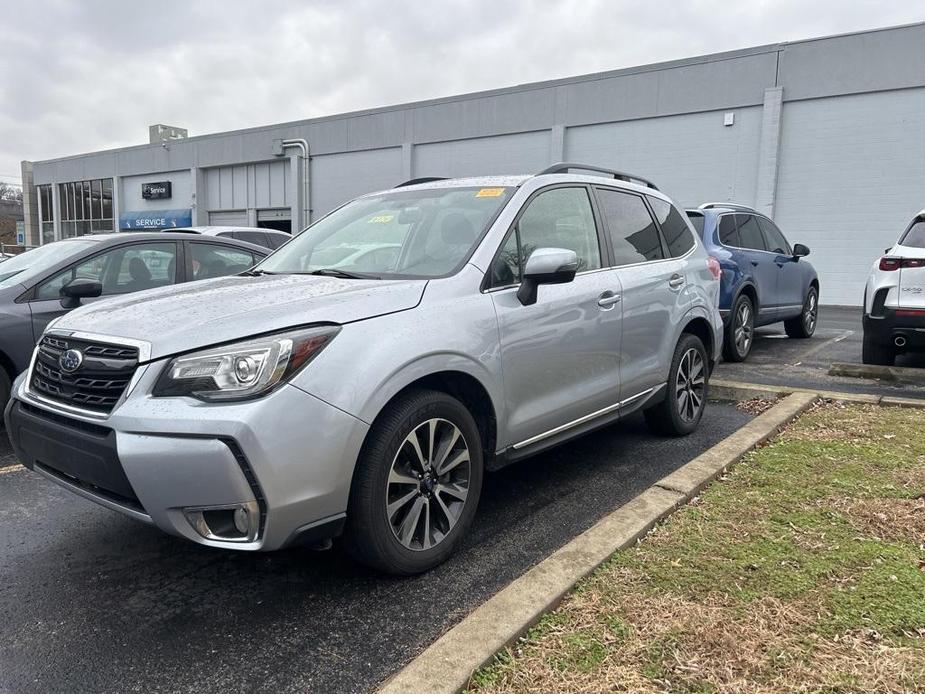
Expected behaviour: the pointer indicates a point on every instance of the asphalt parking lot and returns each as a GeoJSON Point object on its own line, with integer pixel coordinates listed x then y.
{"type": "Point", "coordinates": [778, 360]}
{"type": "Point", "coordinates": [92, 601]}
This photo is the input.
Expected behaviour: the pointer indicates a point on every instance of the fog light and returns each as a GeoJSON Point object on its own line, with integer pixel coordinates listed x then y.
{"type": "Point", "coordinates": [232, 523]}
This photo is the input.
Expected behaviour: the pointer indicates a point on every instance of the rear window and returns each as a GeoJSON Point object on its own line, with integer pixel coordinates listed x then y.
{"type": "Point", "coordinates": [915, 237]}
{"type": "Point", "coordinates": [697, 221]}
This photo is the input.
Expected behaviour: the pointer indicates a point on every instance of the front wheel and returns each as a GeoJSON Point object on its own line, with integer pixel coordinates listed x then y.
{"type": "Point", "coordinates": [416, 486]}
{"type": "Point", "coordinates": [4, 391]}
{"type": "Point", "coordinates": [804, 325]}
{"type": "Point", "coordinates": [680, 412]}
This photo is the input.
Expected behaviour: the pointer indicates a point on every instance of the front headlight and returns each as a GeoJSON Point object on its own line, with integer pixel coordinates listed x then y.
{"type": "Point", "coordinates": [243, 370]}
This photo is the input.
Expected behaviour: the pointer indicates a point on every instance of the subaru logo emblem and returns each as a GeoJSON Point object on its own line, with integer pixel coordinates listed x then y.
{"type": "Point", "coordinates": [71, 360]}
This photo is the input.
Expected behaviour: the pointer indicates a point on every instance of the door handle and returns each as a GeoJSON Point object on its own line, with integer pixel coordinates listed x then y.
{"type": "Point", "coordinates": [608, 300]}
{"type": "Point", "coordinates": [754, 263]}
{"type": "Point", "coordinates": [676, 281]}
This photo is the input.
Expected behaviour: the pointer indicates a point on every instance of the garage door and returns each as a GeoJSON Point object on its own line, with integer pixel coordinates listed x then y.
{"type": "Point", "coordinates": [228, 218]}
{"type": "Point", "coordinates": [852, 175]}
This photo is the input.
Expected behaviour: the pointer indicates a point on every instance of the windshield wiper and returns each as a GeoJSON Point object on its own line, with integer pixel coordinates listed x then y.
{"type": "Point", "coordinates": [334, 272]}
{"type": "Point", "coordinates": [256, 273]}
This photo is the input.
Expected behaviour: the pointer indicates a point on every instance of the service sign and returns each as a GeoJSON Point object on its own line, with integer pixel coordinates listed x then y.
{"type": "Point", "coordinates": [156, 191]}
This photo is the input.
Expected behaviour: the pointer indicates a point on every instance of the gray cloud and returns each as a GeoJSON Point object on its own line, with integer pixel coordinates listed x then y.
{"type": "Point", "coordinates": [85, 75]}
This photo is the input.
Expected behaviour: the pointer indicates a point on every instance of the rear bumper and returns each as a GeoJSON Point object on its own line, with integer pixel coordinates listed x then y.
{"type": "Point", "coordinates": [893, 324]}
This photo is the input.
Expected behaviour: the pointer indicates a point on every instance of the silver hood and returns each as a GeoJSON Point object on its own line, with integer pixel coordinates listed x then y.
{"type": "Point", "coordinates": [197, 314]}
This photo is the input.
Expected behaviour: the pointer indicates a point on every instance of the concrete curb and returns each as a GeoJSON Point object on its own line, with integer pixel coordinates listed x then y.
{"type": "Point", "coordinates": [737, 390]}
{"type": "Point", "coordinates": [447, 664]}
{"type": "Point", "coordinates": [898, 374]}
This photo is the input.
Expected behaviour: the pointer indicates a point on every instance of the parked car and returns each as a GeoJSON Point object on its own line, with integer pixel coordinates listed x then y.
{"type": "Point", "coordinates": [894, 299]}
{"type": "Point", "coordinates": [296, 401]}
{"type": "Point", "coordinates": [5, 256]}
{"type": "Point", "coordinates": [764, 280]}
{"type": "Point", "coordinates": [45, 283]}
{"type": "Point", "coordinates": [267, 238]}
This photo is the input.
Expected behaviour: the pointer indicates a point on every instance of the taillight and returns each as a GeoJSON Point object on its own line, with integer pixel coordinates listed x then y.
{"type": "Point", "coordinates": [713, 266]}
{"type": "Point", "coordinates": [890, 263]}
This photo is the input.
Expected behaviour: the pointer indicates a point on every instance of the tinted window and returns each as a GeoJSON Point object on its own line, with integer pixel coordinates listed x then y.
{"type": "Point", "coordinates": [773, 238]}
{"type": "Point", "coordinates": [915, 237]}
{"type": "Point", "coordinates": [728, 233]}
{"type": "Point", "coordinates": [674, 227]}
{"type": "Point", "coordinates": [255, 237]}
{"type": "Point", "coordinates": [559, 218]}
{"type": "Point", "coordinates": [121, 270]}
{"type": "Point", "coordinates": [277, 240]}
{"type": "Point", "coordinates": [211, 260]}
{"type": "Point", "coordinates": [750, 233]}
{"type": "Point", "coordinates": [633, 234]}
{"type": "Point", "coordinates": [697, 221]}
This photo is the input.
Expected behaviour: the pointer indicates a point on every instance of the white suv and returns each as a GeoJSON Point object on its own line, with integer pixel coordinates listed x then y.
{"type": "Point", "coordinates": [894, 299]}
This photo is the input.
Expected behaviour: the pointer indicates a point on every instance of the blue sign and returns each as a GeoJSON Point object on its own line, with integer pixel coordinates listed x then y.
{"type": "Point", "coordinates": [156, 219]}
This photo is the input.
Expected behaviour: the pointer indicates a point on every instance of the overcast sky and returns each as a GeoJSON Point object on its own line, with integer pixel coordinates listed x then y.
{"type": "Point", "coordinates": [84, 75]}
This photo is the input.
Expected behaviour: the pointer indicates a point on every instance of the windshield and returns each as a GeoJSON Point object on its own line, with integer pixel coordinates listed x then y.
{"type": "Point", "coordinates": [915, 237]}
{"type": "Point", "coordinates": [412, 233]}
{"type": "Point", "coordinates": [36, 261]}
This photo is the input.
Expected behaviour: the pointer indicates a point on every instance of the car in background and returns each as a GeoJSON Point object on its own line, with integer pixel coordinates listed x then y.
{"type": "Point", "coordinates": [764, 280]}
{"type": "Point", "coordinates": [44, 283]}
{"type": "Point", "coordinates": [5, 256]}
{"type": "Point", "coordinates": [298, 401]}
{"type": "Point", "coordinates": [268, 238]}
{"type": "Point", "coordinates": [894, 299]}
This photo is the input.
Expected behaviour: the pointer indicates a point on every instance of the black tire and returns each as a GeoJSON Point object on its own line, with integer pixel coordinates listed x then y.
{"type": "Point", "coordinates": [369, 535]}
{"type": "Point", "coordinates": [737, 347]}
{"type": "Point", "coordinates": [666, 418]}
{"type": "Point", "coordinates": [872, 352]}
{"type": "Point", "coordinates": [4, 392]}
{"type": "Point", "coordinates": [804, 325]}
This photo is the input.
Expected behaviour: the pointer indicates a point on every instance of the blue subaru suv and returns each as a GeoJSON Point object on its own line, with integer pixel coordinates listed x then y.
{"type": "Point", "coordinates": [763, 279]}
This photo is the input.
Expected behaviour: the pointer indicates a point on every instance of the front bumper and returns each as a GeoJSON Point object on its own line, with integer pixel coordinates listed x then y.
{"type": "Point", "coordinates": [151, 458]}
{"type": "Point", "coordinates": [892, 324]}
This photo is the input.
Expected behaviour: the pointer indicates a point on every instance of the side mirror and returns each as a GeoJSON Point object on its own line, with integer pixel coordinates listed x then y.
{"type": "Point", "coordinates": [799, 250]}
{"type": "Point", "coordinates": [546, 266]}
{"type": "Point", "coordinates": [80, 288]}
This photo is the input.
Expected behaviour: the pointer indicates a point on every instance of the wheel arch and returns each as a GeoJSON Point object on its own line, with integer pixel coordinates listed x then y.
{"type": "Point", "coordinates": [700, 327]}
{"type": "Point", "coordinates": [749, 289]}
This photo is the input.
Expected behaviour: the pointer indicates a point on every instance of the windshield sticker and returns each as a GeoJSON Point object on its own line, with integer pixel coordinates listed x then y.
{"type": "Point", "coordinates": [490, 193]}
{"type": "Point", "coordinates": [381, 219]}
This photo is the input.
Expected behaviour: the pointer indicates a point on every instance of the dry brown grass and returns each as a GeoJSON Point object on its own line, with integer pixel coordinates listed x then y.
{"type": "Point", "coordinates": [756, 406]}
{"type": "Point", "coordinates": [889, 519]}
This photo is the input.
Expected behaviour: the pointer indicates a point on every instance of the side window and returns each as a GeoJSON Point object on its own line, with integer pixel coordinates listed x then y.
{"type": "Point", "coordinates": [211, 260]}
{"type": "Point", "coordinates": [561, 218]}
{"type": "Point", "coordinates": [750, 233]}
{"type": "Point", "coordinates": [728, 233]}
{"type": "Point", "coordinates": [277, 240]}
{"type": "Point", "coordinates": [773, 238]}
{"type": "Point", "coordinates": [697, 222]}
{"type": "Point", "coordinates": [255, 237]}
{"type": "Point", "coordinates": [674, 227]}
{"type": "Point", "coordinates": [505, 269]}
{"type": "Point", "coordinates": [121, 270]}
{"type": "Point", "coordinates": [633, 233]}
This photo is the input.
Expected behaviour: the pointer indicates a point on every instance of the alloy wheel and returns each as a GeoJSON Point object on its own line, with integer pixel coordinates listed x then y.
{"type": "Point", "coordinates": [690, 385]}
{"type": "Point", "coordinates": [809, 313]}
{"type": "Point", "coordinates": [743, 328]}
{"type": "Point", "coordinates": [428, 484]}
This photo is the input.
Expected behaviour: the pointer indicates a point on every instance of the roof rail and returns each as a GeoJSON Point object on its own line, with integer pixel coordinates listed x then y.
{"type": "Point", "coordinates": [728, 205]}
{"type": "Point", "coordinates": [424, 179]}
{"type": "Point", "coordinates": [565, 167]}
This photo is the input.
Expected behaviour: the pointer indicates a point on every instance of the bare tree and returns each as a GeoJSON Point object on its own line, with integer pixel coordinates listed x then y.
{"type": "Point", "coordinates": [10, 192]}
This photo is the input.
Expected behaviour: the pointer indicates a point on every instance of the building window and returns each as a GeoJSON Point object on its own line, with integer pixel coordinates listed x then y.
{"type": "Point", "coordinates": [86, 207]}
{"type": "Point", "coordinates": [47, 210]}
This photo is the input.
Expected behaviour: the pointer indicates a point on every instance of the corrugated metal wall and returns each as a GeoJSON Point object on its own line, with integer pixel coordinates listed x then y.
{"type": "Point", "coordinates": [852, 175]}
{"type": "Point", "coordinates": [336, 178]}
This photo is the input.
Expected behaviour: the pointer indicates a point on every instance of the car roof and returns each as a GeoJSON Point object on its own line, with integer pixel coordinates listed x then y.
{"type": "Point", "coordinates": [212, 230]}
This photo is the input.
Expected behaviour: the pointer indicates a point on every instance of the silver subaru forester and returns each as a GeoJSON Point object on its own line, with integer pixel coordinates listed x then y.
{"type": "Point", "coordinates": [360, 379]}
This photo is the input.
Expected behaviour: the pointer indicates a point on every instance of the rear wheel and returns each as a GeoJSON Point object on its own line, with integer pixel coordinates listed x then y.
{"type": "Point", "coordinates": [740, 333]}
{"type": "Point", "coordinates": [680, 412]}
{"type": "Point", "coordinates": [872, 352]}
{"type": "Point", "coordinates": [416, 485]}
{"type": "Point", "coordinates": [804, 325]}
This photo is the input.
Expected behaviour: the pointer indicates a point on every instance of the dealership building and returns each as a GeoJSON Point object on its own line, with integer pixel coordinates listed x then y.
{"type": "Point", "coordinates": [826, 135]}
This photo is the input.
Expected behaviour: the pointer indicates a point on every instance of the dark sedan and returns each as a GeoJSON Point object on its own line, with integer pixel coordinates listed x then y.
{"type": "Point", "coordinates": [44, 283]}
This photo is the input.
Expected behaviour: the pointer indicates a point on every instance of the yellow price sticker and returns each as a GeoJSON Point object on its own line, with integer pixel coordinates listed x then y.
{"type": "Point", "coordinates": [490, 193]}
{"type": "Point", "coordinates": [381, 219]}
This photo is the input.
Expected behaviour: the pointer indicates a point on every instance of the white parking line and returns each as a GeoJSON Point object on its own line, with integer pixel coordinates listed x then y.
{"type": "Point", "coordinates": [11, 468]}
{"type": "Point", "coordinates": [818, 348]}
